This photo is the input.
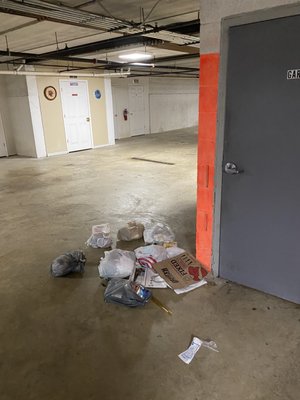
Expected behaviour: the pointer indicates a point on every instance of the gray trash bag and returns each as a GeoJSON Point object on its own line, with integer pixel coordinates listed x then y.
{"type": "Point", "coordinates": [126, 292]}
{"type": "Point", "coordinates": [67, 263]}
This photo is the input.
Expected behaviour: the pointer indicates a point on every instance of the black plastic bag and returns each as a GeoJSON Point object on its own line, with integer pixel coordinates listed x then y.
{"type": "Point", "coordinates": [126, 292]}
{"type": "Point", "coordinates": [67, 263]}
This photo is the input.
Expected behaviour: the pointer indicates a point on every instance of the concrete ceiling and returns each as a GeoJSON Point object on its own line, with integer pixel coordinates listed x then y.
{"type": "Point", "coordinates": [81, 34]}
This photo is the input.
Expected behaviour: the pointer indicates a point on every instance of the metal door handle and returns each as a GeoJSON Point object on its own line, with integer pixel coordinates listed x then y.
{"type": "Point", "coordinates": [232, 169]}
{"type": "Point", "coordinates": [87, 119]}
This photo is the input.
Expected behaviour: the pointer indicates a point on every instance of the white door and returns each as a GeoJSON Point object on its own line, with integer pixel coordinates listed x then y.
{"type": "Point", "coordinates": [3, 150]}
{"type": "Point", "coordinates": [136, 110]}
{"type": "Point", "coordinates": [120, 103]}
{"type": "Point", "coordinates": [76, 112]}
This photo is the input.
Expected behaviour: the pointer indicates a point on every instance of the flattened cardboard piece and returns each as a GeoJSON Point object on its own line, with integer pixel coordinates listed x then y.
{"type": "Point", "coordinates": [180, 271]}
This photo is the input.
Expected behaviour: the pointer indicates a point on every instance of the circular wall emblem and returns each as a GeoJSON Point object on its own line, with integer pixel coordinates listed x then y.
{"type": "Point", "coordinates": [50, 92]}
{"type": "Point", "coordinates": [97, 94]}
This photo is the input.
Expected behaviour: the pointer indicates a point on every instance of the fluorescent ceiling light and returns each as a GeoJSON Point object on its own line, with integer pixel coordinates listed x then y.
{"type": "Point", "coordinates": [136, 56]}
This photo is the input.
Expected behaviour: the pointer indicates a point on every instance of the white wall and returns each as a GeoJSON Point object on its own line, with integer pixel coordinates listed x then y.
{"type": "Point", "coordinates": [120, 86]}
{"type": "Point", "coordinates": [170, 103]}
{"type": "Point", "coordinates": [5, 116]}
{"type": "Point", "coordinates": [173, 103]}
{"type": "Point", "coordinates": [36, 116]}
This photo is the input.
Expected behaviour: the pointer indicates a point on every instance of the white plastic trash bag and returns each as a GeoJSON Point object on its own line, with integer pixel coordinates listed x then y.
{"type": "Point", "coordinates": [133, 231]}
{"type": "Point", "coordinates": [117, 264]}
{"type": "Point", "coordinates": [149, 255]}
{"type": "Point", "coordinates": [158, 233]}
{"type": "Point", "coordinates": [174, 251]}
{"type": "Point", "coordinates": [100, 237]}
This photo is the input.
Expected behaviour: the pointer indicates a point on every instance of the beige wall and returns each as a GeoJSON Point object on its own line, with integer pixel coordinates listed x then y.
{"type": "Point", "coordinates": [98, 112]}
{"type": "Point", "coordinates": [52, 115]}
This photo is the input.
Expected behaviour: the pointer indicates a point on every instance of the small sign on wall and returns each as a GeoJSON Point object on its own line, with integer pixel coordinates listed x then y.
{"type": "Point", "coordinates": [293, 74]}
{"type": "Point", "coordinates": [97, 94]}
{"type": "Point", "coordinates": [50, 93]}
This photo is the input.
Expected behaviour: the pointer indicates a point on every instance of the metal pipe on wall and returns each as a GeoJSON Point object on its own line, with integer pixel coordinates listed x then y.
{"type": "Point", "coordinates": [68, 74]}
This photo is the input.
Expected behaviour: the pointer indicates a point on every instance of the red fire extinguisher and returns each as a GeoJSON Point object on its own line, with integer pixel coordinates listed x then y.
{"type": "Point", "coordinates": [125, 114]}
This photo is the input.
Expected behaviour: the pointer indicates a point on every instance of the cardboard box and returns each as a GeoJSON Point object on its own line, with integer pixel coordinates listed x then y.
{"type": "Point", "coordinates": [180, 271]}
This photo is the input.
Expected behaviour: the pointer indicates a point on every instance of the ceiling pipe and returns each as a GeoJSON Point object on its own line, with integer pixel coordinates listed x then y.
{"type": "Point", "coordinates": [71, 74]}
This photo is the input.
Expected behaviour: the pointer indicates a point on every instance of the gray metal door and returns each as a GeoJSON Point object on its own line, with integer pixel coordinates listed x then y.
{"type": "Point", "coordinates": [260, 214]}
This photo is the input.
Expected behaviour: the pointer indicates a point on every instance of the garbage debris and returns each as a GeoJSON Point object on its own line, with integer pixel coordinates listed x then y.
{"type": "Point", "coordinates": [100, 237]}
{"type": "Point", "coordinates": [117, 264]}
{"type": "Point", "coordinates": [149, 255]}
{"type": "Point", "coordinates": [133, 231]}
{"type": "Point", "coordinates": [188, 355]}
{"type": "Point", "coordinates": [191, 287]}
{"type": "Point", "coordinates": [146, 257]}
{"type": "Point", "coordinates": [126, 292]}
{"type": "Point", "coordinates": [67, 263]}
{"type": "Point", "coordinates": [170, 244]}
{"type": "Point", "coordinates": [174, 251]}
{"type": "Point", "coordinates": [158, 233]}
{"type": "Point", "coordinates": [161, 305]}
{"type": "Point", "coordinates": [149, 278]}
{"type": "Point", "coordinates": [181, 272]}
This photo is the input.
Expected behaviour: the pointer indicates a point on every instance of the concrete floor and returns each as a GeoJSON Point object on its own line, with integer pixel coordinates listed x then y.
{"type": "Point", "coordinates": [58, 340]}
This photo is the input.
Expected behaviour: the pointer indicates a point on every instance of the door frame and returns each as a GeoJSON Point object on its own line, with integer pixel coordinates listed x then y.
{"type": "Point", "coordinates": [130, 114]}
{"type": "Point", "coordinates": [2, 137]}
{"type": "Point", "coordinates": [226, 24]}
{"type": "Point", "coordinates": [89, 107]}
{"type": "Point", "coordinates": [115, 89]}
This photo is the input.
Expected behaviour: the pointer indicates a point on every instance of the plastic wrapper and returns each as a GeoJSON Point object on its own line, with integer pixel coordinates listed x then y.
{"type": "Point", "coordinates": [174, 251]}
{"type": "Point", "coordinates": [133, 231]}
{"type": "Point", "coordinates": [100, 237]}
{"type": "Point", "coordinates": [158, 233]}
{"type": "Point", "coordinates": [68, 263]}
{"type": "Point", "coordinates": [149, 255]}
{"type": "Point", "coordinates": [117, 264]}
{"type": "Point", "coordinates": [126, 292]}
{"type": "Point", "coordinates": [188, 355]}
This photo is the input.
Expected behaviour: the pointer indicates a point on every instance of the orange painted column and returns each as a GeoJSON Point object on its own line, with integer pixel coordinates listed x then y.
{"type": "Point", "coordinates": [209, 74]}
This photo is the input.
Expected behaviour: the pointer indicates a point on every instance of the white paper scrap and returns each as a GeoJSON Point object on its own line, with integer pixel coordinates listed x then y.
{"type": "Point", "coordinates": [189, 354]}
{"type": "Point", "coordinates": [150, 279]}
{"type": "Point", "coordinates": [191, 287]}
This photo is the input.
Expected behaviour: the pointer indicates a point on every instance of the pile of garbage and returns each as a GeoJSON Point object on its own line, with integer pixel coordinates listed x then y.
{"type": "Point", "coordinates": [131, 275]}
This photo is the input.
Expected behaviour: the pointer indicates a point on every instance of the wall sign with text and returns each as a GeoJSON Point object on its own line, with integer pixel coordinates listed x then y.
{"type": "Point", "coordinates": [293, 74]}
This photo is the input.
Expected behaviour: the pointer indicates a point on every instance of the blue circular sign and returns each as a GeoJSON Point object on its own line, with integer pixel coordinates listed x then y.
{"type": "Point", "coordinates": [97, 94]}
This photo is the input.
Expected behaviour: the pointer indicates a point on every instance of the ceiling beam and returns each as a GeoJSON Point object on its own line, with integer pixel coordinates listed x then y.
{"type": "Point", "coordinates": [62, 14]}
{"type": "Point", "coordinates": [177, 47]}
{"type": "Point", "coordinates": [187, 28]}
{"type": "Point", "coordinates": [118, 42]}
{"type": "Point", "coordinates": [18, 27]}
{"type": "Point", "coordinates": [103, 45]}
{"type": "Point", "coordinates": [36, 57]}
{"type": "Point", "coordinates": [177, 57]}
